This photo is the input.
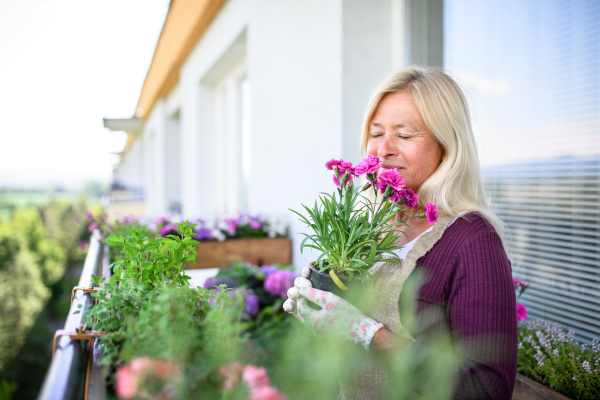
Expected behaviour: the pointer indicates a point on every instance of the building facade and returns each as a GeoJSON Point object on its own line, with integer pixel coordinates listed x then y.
{"type": "Point", "coordinates": [245, 100]}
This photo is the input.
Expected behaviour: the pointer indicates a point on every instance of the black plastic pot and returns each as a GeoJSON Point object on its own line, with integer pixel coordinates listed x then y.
{"type": "Point", "coordinates": [323, 281]}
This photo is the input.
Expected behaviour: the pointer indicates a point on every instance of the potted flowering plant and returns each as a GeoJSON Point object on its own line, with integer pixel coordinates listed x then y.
{"type": "Point", "coordinates": [351, 231]}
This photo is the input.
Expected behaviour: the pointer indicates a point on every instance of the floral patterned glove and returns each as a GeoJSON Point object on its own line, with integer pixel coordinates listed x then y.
{"type": "Point", "coordinates": [337, 318]}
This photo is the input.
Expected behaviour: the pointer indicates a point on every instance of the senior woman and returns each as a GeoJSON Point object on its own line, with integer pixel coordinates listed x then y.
{"type": "Point", "coordinates": [418, 123]}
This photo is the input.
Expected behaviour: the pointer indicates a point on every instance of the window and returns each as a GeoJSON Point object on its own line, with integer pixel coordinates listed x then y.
{"type": "Point", "coordinates": [233, 141]}
{"type": "Point", "coordinates": [532, 73]}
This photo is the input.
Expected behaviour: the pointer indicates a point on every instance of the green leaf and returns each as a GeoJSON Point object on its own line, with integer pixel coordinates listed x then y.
{"type": "Point", "coordinates": [95, 279]}
{"type": "Point", "coordinates": [114, 240]}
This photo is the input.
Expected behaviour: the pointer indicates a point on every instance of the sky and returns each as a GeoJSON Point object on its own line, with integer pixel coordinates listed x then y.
{"type": "Point", "coordinates": [64, 65]}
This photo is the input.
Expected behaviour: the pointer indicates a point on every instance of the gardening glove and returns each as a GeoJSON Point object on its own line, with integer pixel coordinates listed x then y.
{"type": "Point", "coordinates": [337, 318]}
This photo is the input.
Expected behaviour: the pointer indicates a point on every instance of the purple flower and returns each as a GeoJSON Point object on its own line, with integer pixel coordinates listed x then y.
{"type": "Point", "coordinates": [89, 216]}
{"type": "Point", "coordinates": [369, 165]}
{"type": "Point", "coordinates": [518, 283]}
{"type": "Point", "coordinates": [159, 221]}
{"type": "Point", "coordinates": [92, 226]}
{"type": "Point", "coordinates": [279, 282]}
{"type": "Point", "coordinates": [269, 269]}
{"type": "Point", "coordinates": [521, 312]}
{"type": "Point", "coordinates": [255, 224]}
{"type": "Point", "coordinates": [251, 302]}
{"type": "Point", "coordinates": [83, 245]}
{"type": "Point", "coordinates": [169, 229]}
{"type": "Point", "coordinates": [431, 213]}
{"type": "Point", "coordinates": [127, 220]}
{"type": "Point", "coordinates": [203, 234]}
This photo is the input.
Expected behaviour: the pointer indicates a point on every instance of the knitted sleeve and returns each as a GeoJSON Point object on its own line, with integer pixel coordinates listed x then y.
{"type": "Point", "coordinates": [480, 316]}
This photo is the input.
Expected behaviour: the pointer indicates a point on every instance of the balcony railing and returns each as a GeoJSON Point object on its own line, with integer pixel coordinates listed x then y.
{"type": "Point", "coordinates": [72, 374]}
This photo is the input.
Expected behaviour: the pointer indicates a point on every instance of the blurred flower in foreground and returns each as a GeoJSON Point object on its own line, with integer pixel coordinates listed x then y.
{"type": "Point", "coordinates": [255, 378]}
{"type": "Point", "coordinates": [136, 379]}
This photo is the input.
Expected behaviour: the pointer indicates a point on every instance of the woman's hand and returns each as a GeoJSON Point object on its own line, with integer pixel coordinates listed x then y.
{"type": "Point", "coordinates": [337, 318]}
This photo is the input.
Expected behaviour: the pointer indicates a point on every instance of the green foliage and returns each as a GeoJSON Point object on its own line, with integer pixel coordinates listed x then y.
{"type": "Point", "coordinates": [7, 389]}
{"type": "Point", "coordinates": [351, 232]}
{"type": "Point", "coordinates": [549, 354]}
{"type": "Point", "coordinates": [155, 261]}
{"type": "Point", "coordinates": [147, 266]}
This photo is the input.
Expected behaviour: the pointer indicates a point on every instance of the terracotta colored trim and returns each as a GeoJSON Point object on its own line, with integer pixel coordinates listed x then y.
{"type": "Point", "coordinates": [186, 22]}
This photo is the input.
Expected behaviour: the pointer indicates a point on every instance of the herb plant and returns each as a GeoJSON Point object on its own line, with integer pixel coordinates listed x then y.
{"type": "Point", "coordinates": [353, 232]}
{"type": "Point", "coordinates": [147, 266]}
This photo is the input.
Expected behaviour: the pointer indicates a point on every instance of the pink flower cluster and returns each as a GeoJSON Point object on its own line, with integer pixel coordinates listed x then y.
{"type": "Point", "coordinates": [130, 378]}
{"type": "Point", "coordinates": [342, 169]}
{"type": "Point", "coordinates": [389, 181]}
{"type": "Point", "coordinates": [256, 378]}
{"type": "Point", "coordinates": [279, 282]}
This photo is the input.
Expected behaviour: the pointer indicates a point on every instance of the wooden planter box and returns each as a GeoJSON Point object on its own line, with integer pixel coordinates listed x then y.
{"type": "Point", "coordinates": [528, 389]}
{"type": "Point", "coordinates": [258, 251]}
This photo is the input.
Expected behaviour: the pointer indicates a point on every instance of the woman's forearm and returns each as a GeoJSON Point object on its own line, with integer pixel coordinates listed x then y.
{"type": "Point", "coordinates": [388, 344]}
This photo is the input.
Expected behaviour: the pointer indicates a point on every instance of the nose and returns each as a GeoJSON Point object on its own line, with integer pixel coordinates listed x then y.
{"type": "Point", "coordinates": [387, 148]}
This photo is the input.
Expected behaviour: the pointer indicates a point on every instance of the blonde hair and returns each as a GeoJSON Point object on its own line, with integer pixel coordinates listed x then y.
{"type": "Point", "coordinates": [456, 186]}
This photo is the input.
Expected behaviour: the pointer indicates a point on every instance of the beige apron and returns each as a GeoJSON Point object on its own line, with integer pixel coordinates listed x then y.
{"type": "Point", "coordinates": [362, 375]}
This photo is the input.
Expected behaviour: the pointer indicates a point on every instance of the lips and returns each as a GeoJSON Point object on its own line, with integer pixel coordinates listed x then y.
{"type": "Point", "coordinates": [392, 167]}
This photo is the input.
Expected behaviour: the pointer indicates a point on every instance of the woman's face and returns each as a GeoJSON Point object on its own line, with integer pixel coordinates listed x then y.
{"type": "Point", "coordinates": [399, 138]}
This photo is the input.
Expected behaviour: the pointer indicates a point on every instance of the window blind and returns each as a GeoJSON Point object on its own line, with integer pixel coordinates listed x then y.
{"type": "Point", "coordinates": [531, 71]}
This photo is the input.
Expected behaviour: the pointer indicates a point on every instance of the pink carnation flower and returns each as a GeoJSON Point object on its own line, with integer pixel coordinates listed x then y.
{"type": "Point", "coordinates": [431, 213]}
{"type": "Point", "coordinates": [521, 312]}
{"type": "Point", "coordinates": [412, 200]}
{"type": "Point", "coordinates": [337, 182]}
{"type": "Point", "coordinates": [369, 165]}
{"type": "Point", "coordinates": [331, 164]}
{"type": "Point", "coordinates": [345, 166]}
{"type": "Point", "coordinates": [390, 177]}
{"type": "Point", "coordinates": [518, 283]}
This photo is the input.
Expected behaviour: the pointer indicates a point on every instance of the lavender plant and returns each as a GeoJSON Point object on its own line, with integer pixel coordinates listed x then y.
{"type": "Point", "coordinates": [549, 354]}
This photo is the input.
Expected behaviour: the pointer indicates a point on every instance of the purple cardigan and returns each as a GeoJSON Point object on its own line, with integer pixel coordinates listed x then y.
{"type": "Point", "coordinates": [469, 291]}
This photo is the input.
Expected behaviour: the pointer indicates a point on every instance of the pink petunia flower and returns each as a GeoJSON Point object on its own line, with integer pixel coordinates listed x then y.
{"type": "Point", "coordinates": [255, 224]}
{"type": "Point", "coordinates": [369, 165]}
{"type": "Point", "coordinates": [521, 312]}
{"type": "Point", "coordinates": [390, 177]}
{"type": "Point", "coordinates": [431, 213]}
{"type": "Point", "coordinates": [92, 226]}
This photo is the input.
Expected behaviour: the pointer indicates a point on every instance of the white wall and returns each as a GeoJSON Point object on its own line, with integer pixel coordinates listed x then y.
{"type": "Point", "coordinates": [312, 67]}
